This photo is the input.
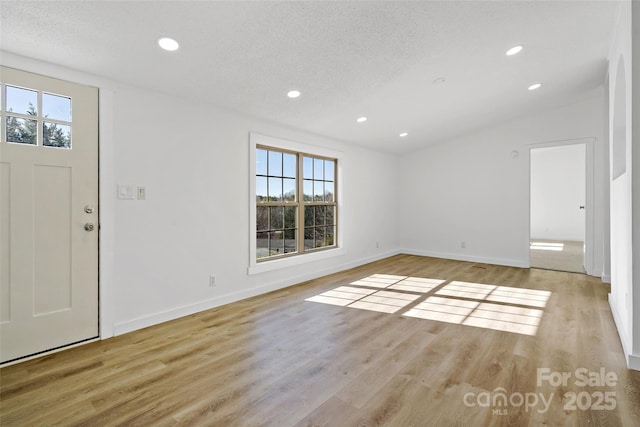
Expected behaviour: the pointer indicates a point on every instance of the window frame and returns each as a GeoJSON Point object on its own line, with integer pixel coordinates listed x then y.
{"type": "Point", "coordinates": [39, 118]}
{"type": "Point", "coordinates": [281, 203]}
{"type": "Point", "coordinates": [258, 141]}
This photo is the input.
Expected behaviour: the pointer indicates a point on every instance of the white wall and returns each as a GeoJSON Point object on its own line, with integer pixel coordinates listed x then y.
{"type": "Point", "coordinates": [558, 183]}
{"type": "Point", "coordinates": [634, 360]}
{"type": "Point", "coordinates": [472, 190]}
{"type": "Point", "coordinates": [635, 159]}
{"type": "Point", "coordinates": [625, 296]}
{"type": "Point", "coordinates": [604, 182]}
{"type": "Point", "coordinates": [194, 162]}
{"type": "Point", "coordinates": [156, 255]}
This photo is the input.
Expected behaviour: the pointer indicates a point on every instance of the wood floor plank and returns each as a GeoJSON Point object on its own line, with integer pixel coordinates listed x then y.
{"type": "Point", "coordinates": [378, 373]}
{"type": "Point", "coordinates": [279, 360]}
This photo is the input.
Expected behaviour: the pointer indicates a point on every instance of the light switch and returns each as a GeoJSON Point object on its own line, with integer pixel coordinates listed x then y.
{"type": "Point", "coordinates": [142, 193]}
{"type": "Point", "coordinates": [126, 192]}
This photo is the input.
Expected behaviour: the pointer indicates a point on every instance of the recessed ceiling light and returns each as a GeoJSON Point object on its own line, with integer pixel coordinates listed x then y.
{"type": "Point", "coordinates": [403, 134]}
{"type": "Point", "coordinates": [293, 93]}
{"type": "Point", "coordinates": [514, 50]}
{"type": "Point", "coordinates": [361, 119]}
{"type": "Point", "coordinates": [535, 86]}
{"type": "Point", "coordinates": [168, 44]}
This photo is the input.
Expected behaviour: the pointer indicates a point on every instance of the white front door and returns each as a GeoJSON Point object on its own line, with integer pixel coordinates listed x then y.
{"type": "Point", "coordinates": [48, 213]}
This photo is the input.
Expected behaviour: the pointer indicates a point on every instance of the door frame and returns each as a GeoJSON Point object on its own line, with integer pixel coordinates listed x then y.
{"type": "Point", "coordinates": [106, 177]}
{"type": "Point", "coordinates": [589, 221]}
{"type": "Point", "coordinates": [40, 81]}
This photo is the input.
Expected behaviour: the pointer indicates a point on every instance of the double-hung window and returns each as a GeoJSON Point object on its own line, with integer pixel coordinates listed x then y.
{"type": "Point", "coordinates": [296, 204]}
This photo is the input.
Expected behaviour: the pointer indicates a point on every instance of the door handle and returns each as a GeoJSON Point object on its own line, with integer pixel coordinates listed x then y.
{"type": "Point", "coordinates": [89, 226]}
{"type": "Point", "coordinates": [581, 206]}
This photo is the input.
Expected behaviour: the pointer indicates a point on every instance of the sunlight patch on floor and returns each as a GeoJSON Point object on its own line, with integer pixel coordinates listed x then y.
{"type": "Point", "coordinates": [502, 308]}
{"type": "Point", "coordinates": [366, 299]}
{"type": "Point", "coordinates": [504, 294]}
{"type": "Point", "coordinates": [443, 310]}
{"type": "Point", "coordinates": [416, 284]}
{"type": "Point", "coordinates": [503, 316]}
{"type": "Point", "coordinates": [403, 283]}
{"type": "Point", "coordinates": [343, 295]}
{"type": "Point", "coordinates": [385, 301]}
{"type": "Point", "coordinates": [543, 246]}
{"type": "Point", "coordinates": [379, 280]}
{"type": "Point", "coordinates": [483, 315]}
{"type": "Point", "coordinates": [466, 290]}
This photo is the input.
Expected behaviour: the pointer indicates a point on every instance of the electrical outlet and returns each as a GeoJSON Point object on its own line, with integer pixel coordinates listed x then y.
{"type": "Point", "coordinates": [377, 244]}
{"type": "Point", "coordinates": [212, 280]}
{"type": "Point", "coordinates": [463, 245]}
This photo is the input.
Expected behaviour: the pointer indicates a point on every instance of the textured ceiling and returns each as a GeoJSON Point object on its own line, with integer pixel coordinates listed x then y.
{"type": "Point", "coordinates": [348, 58]}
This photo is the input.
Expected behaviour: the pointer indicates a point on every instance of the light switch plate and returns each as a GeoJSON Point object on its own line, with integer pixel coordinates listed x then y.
{"type": "Point", "coordinates": [142, 193]}
{"type": "Point", "coordinates": [126, 192]}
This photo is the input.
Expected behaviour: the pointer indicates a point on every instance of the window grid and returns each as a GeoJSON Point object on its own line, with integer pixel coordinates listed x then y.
{"type": "Point", "coordinates": [293, 215]}
{"type": "Point", "coordinates": [32, 127]}
{"type": "Point", "coordinates": [318, 200]}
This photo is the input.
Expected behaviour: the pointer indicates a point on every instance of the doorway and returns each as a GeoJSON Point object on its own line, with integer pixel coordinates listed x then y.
{"type": "Point", "coordinates": [558, 207]}
{"type": "Point", "coordinates": [48, 214]}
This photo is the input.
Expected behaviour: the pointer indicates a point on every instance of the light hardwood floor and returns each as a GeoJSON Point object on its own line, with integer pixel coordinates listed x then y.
{"type": "Point", "coordinates": [569, 257]}
{"type": "Point", "coordinates": [278, 360]}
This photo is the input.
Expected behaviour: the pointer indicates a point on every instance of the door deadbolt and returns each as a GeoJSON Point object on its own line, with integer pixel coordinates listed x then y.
{"type": "Point", "coordinates": [89, 226]}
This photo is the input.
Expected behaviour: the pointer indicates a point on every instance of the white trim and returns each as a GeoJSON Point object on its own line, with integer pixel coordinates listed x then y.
{"type": "Point", "coordinates": [620, 326]}
{"type": "Point", "coordinates": [185, 310]}
{"type": "Point", "coordinates": [589, 222]}
{"type": "Point", "coordinates": [275, 264]}
{"type": "Point", "coordinates": [633, 361]}
{"type": "Point", "coordinates": [468, 258]}
{"type": "Point", "coordinates": [48, 69]}
{"type": "Point", "coordinates": [107, 183]}
{"type": "Point", "coordinates": [286, 144]}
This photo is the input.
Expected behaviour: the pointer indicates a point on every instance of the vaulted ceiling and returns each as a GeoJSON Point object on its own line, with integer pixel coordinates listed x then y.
{"type": "Point", "coordinates": [432, 69]}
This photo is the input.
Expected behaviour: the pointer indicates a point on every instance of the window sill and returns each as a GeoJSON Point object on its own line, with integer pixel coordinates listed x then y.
{"type": "Point", "coordinates": [277, 264]}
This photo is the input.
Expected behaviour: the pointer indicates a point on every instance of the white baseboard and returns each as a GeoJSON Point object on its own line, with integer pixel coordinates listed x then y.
{"type": "Point", "coordinates": [633, 361]}
{"type": "Point", "coordinates": [186, 310]}
{"type": "Point", "coordinates": [469, 258]}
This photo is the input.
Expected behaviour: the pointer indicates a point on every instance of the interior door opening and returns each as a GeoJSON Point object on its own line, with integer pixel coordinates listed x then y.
{"type": "Point", "coordinates": [558, 207]}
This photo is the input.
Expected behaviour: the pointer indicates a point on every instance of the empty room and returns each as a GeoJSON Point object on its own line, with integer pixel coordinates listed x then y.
{"type": "Point", "coordinates": [320, 213]}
